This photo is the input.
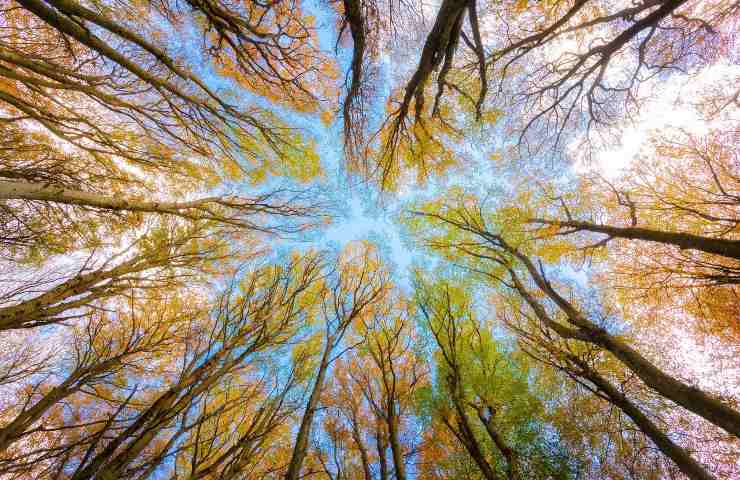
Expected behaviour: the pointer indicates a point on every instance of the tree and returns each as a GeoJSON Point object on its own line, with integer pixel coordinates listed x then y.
{"type": "Point", "coordinates": [44, 218]}
{"type": "Point", "coordinates": [483, 243]}
{"type": "Point", "coordinates": [349, 426]}
{"type": "Point", "coordinates": [357, 418]}
{"type": "Point", "coordinates": [167, 305]}
{"type": "Point", "coordinates": [359, 282]}
{"type": "Point", "coordinates": [370, 24]}
{"type": "Point", "coordinates": [418, 144]}
{"type": "Point", "coordinates": [132, 435]}
{"type": "Point", "coordinates": [667, 226]}
{"type": "Point", "coordinates": [604, 56]}
{"type": "Point", "coordinates": [482, 398]}
{"type": "Point", "coordinates": [390, 371]}
{"type": "Point", "coordinates": [165, 257]}
{"type": "Point", "coordinates": [605, 53]}
{"type": "Point", "coordinates": [270, 47]}
{"type": "Point", "coordinates": [565, 357]}
{"type": "Point", "coordinates": [103, 350]}
{"type": "Point", "coordinates": [466, 233]}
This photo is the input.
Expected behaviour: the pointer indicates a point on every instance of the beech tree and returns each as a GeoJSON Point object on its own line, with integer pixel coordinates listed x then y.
{"type": "Point", "coordinates": [360, 281]}
{"type": "Point", "coordinates": [467, 233]}
{"type": "Point", "coordinates": [389, 373]}
{"type": "Point", "coordinates": [489, 245]}
{"type": "Point", "coordinates": [103, 349]}
{"type": "Point", "coordinates": [170, 101]}
{"type": "Point", "coordinates": [480, 400]}
{"type": "Point", "coordinates": [667, 226]}
{"type": "Point", "coordinates": [262, 311]}
{"type": "Point", "coordinates": [605, 56]}
{"type": "Point", "coordinates": [369, 239]}
{"type": "Point", "coordinates": [166, 257]}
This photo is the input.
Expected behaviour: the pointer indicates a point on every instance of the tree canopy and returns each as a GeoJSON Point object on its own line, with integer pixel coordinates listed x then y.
{"type": "Point", "coordinates": [369, 239]}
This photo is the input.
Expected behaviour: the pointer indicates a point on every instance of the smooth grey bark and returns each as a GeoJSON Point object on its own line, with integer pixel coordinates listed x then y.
{"type": "Point", "coordinates": [78, 291]}
{"type": "Point", "coordinates": [16, 190]}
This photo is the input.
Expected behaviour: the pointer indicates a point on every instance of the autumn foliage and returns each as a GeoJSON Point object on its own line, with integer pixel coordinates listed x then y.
{"type": "Point", "coordinates": [542, 281]}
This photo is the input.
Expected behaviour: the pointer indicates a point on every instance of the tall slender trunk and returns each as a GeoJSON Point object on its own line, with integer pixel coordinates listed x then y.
{"type": "Point", "coordinates": [506, 451]}
{"type": "Point", "coordinates": [16, 190]}
{"type": "Point", "coordinates": [470, 442]}
{"type": "Point", "coordinates": [399, 463]}
{"type": "Point", "coordinates": [690, 467]}
{"type": "Point", "coordinates": [300, 448]}
{"type": "Point", "coordinates": [364, 455]}
{"type": "Point", "coordinates": [381, 446]}
{"type": "Point", "coordinates": [48, 304]}
{"type": "Point", "coordinates": [110, 461]}
{"type": "Point", "coordinates": [687, 396]}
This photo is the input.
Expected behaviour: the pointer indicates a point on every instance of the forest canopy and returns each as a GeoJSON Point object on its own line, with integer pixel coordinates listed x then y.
{"type": "Point", "coordinates": [369, 239]}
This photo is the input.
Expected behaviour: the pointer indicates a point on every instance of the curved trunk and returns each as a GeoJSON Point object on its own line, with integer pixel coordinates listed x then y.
{"type": "Point", "coordinates": [684, 461]}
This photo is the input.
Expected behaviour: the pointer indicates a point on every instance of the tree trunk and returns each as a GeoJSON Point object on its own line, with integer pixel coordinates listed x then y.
{"type": "Point", "coordinates": [507, 452]}
{"type": "Point", "coordinates": [364, 455]}
{"type": "Point", "coordinates": [381, 446]}
{"type": "Point", "coordinates": [399, 463]}
{"type": "Point", "coordinates": [716, 246]}
{"type": "Point", "coordinates": [470, 442]}
{"type": "Point", "coordinates": [26, 418]}
{"type": "Point", "coordinates": [690, 467]}
{"type": "Point", "coordinates": [13, 190]}
{"type": "Point", "coordinates": [434, 49]}
{"type": "Point", "coordinates": [47, 305]}
{"type": "Point", "coordinates": [687, 396]}
{"type": "Point", "coordinates": [304, 433]}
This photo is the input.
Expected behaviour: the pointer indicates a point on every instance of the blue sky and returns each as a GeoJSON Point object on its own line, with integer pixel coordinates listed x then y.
{"type": "Point", "coordinates": [359, 212]}
{"type": "Point", "coordinates": [357, 215]}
